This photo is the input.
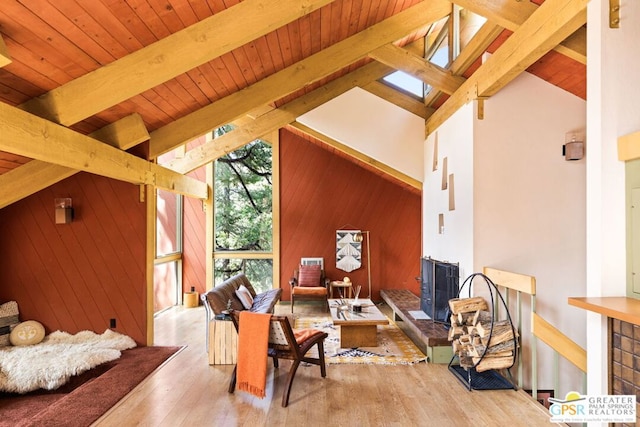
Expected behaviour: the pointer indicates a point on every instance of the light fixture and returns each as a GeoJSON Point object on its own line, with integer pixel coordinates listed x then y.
{"type": "Point", "coordinates": [359, 237]}
{"type": "Point", "coordinates": [64, 210]}
{"type": "Point", "coordinates": [573, 149]}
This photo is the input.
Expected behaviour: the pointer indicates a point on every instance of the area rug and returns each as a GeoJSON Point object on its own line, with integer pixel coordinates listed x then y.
{"type": "Point", "coordinates": [85, 397]}
{"type": "Point", "coordinates": [394, 347]}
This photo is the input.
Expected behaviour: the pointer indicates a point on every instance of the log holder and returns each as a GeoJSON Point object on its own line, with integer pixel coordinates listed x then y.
{"type": "Point", "coordinates": [486, 380]}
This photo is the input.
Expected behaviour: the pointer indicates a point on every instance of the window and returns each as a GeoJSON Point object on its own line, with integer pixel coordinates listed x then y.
{"type": "Point", "coordinates": [168, 223]}
{"type": "Point", "coordinates": [243, 220]}
{"type": "Point", "coordinates": [404, 81]}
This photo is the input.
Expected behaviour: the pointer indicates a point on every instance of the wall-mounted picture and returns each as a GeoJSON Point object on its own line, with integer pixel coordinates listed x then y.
{"type": "Point", "coordinates": [348, 251]}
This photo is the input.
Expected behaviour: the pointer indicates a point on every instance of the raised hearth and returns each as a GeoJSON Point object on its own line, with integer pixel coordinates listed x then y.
{"type": "Point", "coordinates": [431, 337]}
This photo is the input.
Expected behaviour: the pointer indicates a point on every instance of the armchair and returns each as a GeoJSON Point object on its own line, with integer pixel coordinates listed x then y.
{"type": "Point", "coordinates": [309, 284]}
{"type": "Point", "coordinates": [287, 343]}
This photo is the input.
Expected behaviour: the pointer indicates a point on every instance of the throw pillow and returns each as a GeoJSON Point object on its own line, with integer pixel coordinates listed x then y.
{"type": "Point", "coordinates": [245, 297]}
{"type": "Point", "coordinates": [309, 275]}
{"type": "Point", "coordinates": [27, 333]}
{"type": "Point", "coordinates": [8, 320]}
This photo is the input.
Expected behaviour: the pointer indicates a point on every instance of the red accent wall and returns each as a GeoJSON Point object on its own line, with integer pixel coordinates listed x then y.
{"type": "Point", "coordinates": [322, 192]}
{"type": "Point", "coordinates": [194, 256]}
{"type": "Point", "coordinates": [77, 276]}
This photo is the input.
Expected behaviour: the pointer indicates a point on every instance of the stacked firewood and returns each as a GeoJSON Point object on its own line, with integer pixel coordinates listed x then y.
{"type": "Point", "coordinates": [469, 336]}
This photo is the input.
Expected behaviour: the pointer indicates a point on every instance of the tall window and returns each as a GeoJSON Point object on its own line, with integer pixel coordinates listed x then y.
{"type": "Point", "coordinates": [167, 277]}
{"type": "Point", "coordinates": [243, 230]}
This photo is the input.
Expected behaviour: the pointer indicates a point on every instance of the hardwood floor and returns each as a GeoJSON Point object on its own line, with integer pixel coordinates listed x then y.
{"type": "Point", "coordinates": [186, 391]}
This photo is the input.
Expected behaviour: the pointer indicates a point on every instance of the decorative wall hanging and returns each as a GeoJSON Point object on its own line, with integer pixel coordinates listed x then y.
{"type": "Point", "coordinates": [348, 251]}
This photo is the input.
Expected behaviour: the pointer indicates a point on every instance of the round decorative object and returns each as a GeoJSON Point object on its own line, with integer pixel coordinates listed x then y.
{"type": "Point", "coordinates": [27, 333]}
{"type": "Point", "coordinates": [346, 280]}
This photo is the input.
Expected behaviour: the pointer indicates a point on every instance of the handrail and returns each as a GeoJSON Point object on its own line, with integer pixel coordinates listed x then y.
{"type": "Point", "coordinates": [540, 329]}
{"type": "Point", "coordinates": [559, 342]}
{"type": "Point", "coordinates": [519, 283]}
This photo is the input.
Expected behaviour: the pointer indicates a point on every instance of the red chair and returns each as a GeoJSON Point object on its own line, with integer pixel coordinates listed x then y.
{"type": "Point", "coordinates": [309, 284]}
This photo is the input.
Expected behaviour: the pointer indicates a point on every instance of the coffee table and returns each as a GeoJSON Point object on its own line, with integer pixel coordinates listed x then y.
{"type": "Point", "coordinates": [357, 329]}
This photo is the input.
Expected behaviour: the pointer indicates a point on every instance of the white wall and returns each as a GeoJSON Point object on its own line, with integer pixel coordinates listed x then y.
{"type": "Point", "coordinates": [374, 127]}
{"type": "Point", "coordinates": [455, 144]}
{"type": "Point", "coordinates": [530, 204]}
{"type": "Point", "coordinates": [613, 110]}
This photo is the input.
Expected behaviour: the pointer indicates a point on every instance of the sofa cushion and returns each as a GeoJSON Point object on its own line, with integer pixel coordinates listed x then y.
{"type": "Point", "coordinates": [220, 295]}
{"type": "Point", "coordinates": [309, 275]}
{"type": "Point", "coordinates": [245, 297]}
{"type": "Point", "coordinates": [8, 320]}
{"type": "Point", "coordinates": [310, 290]}
{"type": "Point", "coordinates": [265, 301]}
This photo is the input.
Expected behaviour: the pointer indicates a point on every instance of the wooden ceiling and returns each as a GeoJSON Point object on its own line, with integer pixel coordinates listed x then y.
{"type": "Point", "coordinates": [84, 84]}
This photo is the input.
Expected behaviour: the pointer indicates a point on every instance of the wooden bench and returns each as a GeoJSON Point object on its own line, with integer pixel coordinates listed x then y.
{"type": "Point", "coordinates": [431, 337]}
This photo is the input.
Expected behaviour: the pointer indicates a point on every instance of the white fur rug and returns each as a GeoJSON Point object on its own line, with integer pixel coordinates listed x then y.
{"type": "Point", "coordinates": [58, 357]}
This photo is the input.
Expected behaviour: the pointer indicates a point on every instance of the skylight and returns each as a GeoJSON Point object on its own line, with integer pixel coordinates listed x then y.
{"type": "Point", "coordinates": [406, 82]}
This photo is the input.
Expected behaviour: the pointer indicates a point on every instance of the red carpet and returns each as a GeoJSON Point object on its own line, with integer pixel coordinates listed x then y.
{"type": "Point", "coordinates": [86, 397]}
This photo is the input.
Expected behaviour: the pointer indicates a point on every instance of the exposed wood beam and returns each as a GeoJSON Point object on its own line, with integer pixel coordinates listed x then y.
{"type": "Point", "coordinates": [398, 98]}
{"type": "Point", "coordinates": [31, 136]}
{"type": "Point", "coordinates": [511, 14]}
{"type": "Point", "coordinates": [476, 47]}
{"type": "Point", "coordinates": [37, 175]}
{"type": "Point", "coordinates": [5, 58]}
{"type": "Point", "coordinates": [360, 156]}
{"type": "Point", "coordinates": [472, 51]}
{"type": "Point", "coordinates": [418, 67]}
{"type": "Point", "coordinates": [575, 46]}
{"type": "Point", "coordinates": [167, 58]}
{"type": "Point", "coordinates": [298, 75]}
{"type": "Point", "coordinates": [552, 22]}
{"type": "Point", "coordinates": [273, 120]}
{"type": "Point", "coordinates": [125, 133]}
{"type": "Point", "coordinates": [30, 178]}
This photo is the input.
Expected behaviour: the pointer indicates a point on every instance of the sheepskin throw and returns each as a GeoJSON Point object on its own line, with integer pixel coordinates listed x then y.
{"type": "Point", "coordinates": [57, 358]}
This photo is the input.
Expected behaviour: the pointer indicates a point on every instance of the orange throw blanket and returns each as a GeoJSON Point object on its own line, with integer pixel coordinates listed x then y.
{"type": "Point", "coordinates": [253, 340]}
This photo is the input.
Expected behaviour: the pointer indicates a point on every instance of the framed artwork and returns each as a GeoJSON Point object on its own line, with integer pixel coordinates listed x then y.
{"type": "Point", "coordinates": [348, 251]}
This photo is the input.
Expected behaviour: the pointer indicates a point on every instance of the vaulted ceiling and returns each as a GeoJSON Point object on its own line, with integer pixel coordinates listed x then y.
{"type": "Point", "coordinates": [107, 85]}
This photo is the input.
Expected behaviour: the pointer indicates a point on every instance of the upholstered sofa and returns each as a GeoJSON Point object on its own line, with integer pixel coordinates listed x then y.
{"type": "Point", "coordinates": [224, 297]}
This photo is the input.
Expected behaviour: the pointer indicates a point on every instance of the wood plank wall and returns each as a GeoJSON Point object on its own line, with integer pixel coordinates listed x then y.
{"type": "Point", "coordinates": [322, 192]}
{"type": "Point", "coordinates": [328, 191]}
{"type": "Point", "coordinates": [77, 276]}
{"type": "Point", "coordinates": [194, 256]}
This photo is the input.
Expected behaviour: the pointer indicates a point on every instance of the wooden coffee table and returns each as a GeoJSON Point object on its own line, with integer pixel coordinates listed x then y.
{"type": "Point", "coordinates": [357, 329]}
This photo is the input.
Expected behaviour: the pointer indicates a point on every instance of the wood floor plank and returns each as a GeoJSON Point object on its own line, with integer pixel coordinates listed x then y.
{"type": "Point", "coordinates": [187, 391]}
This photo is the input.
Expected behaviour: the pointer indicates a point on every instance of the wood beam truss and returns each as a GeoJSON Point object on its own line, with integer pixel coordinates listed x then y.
{"type": "Point", "coordinates": [37, 175]}
{"type": "Point", "coordinates": [300, 74]}
{"type": "Point", "coordinates": [167, 58]}
{"type": "Point", "coordinates": [37, 138]}
{"type": "Point", "coordinates": [275, 119]}
{"type": "Point", "coordinates": [547, 26]}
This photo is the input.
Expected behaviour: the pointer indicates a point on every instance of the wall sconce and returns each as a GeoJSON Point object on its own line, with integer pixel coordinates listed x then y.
{"type": "Point", "coordinates": [359, 237]}
{"type": "Point", "coordinates": [573, 149]}
{"type": "Point", "coordinates": [64, 210]}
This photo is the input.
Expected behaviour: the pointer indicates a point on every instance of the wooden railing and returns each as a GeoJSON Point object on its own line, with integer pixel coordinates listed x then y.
{"type": "Point", "coordinates": [562, 346]}
{"type": "Point", "coordinates": [523, 285]}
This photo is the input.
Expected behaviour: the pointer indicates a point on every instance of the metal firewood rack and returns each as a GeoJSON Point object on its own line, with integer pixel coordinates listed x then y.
{"type": "Point", "coordinates": [491, 379]}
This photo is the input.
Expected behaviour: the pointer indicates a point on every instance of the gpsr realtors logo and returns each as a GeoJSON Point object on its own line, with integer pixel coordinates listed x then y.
{"type": "Point", "coordinates": [577, 408]}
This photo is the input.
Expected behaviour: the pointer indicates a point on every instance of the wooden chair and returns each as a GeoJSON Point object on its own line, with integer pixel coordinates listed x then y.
{"type": "Point", "coordinates": [309, 284]}
{"type": "Point", "coordinates": [285, 343]}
